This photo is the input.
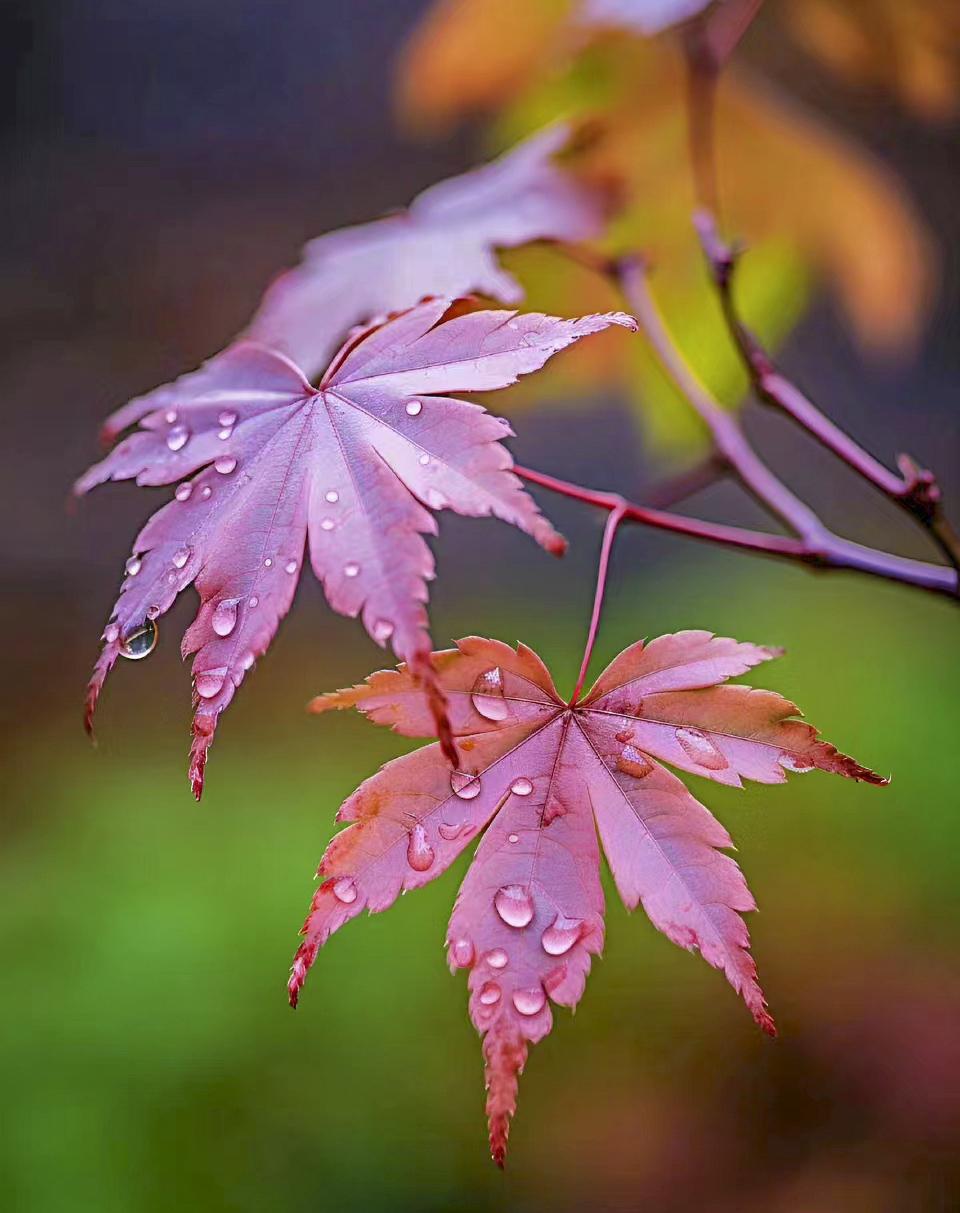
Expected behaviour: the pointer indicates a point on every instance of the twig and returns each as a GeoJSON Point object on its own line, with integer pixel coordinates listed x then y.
{"type": "Point", "coordinates": [614, 518]}
{"type": "Point", "coordinates": [915, 490]}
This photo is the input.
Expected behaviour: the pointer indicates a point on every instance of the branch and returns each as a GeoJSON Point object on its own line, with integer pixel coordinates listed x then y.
{"type": "Point", "coordinates": [915, 490]}
{"type": "Point", "coordinates": [614, 518]}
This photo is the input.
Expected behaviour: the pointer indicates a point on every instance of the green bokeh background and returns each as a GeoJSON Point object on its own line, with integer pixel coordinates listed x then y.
{"type": "Point", "coordinates": [151, 1063]}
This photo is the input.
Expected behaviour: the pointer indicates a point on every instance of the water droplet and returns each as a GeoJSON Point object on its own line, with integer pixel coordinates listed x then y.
{"type": "Point", "coordinates": [227, 418]}
{"type": "Point", "coordinates": [521, 786]}
{"type": "Point", "coordinates": [170, 416]}
{"type": "Point", "coordinates": [414, 408]}
{"type": "Point", "coordinates": [382, 630]}
{"type": "Point", "coordinates": [514, 905]}
{"type": "Point", "coordinates": [450, 832]}
{"type": "Point", "coordinates": [487, 695]}
{"type": "Point", "coordinates": [225, 464]}
{"type": "Point", "coordinates": [268, 563]}
{"type": "Point", "coordinates": [513, 838]}
{"type": "Point", "coordinates": [700, 749]}
{"type": "Point", "coordinates": [180, 557]}
{"type": "Point", "coordinates": [436, 499]}
{"type": "Point", "coordinates": [465, 785]}
{"type": "Point", "coordinates": [490, 994]}
{"type": "Point", "coordinates": [419, 852]}
{"type": "Point", "coordinates": [424, 460]}
{"type": "Point", "coordinates": [461, 953]}
{"type": "Point", "coordinates": [140, 641]}
{"type": "Point", "coordinates": [497, 959]}
{"type": "Point", "coordinates": [183, 491]}
{"type": "Point", "coordinates": [205, 492]}
{"type": "Point", "coordinates": [561, 935]}
{"type": "Point", "coordinates": [178, 438]}
{"type": "Point", "coordinates": [632, 762]}
{"type": "Point", "coordinates": [291, 566]}
{"type": "Point", "coordinates": [529, 1002]}
{"type": "Point", "coordinates": [111, 633]}
{"type": "Point", "coordinates": [209, 682]}
{"type": "Point", "coordinates": [247, 660]}
{"type": "Point", "coordinates": [153, 611]}
{"type": "Point", "coordinates": [133, 566]}
{"type": "Point", "coordinates": [351, 569]}
{"type": "Point", "coordinates": [225, 617]}
{"type": "Point", "coordinates": [254, 601]}
{"type": "Point", "coordinates": [794, 762]}
{"type": "Point", "coordinates": [332, 496]}
{"type": "Point", "coordinates": [552, 811]}
{"type": "Point", "coordinates": [327, 524]}
{"type": "Point", "coordinates": [345, 890]}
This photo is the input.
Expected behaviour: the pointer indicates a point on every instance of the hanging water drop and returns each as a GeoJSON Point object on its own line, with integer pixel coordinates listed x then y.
{"type": "Point", "coordinates": [345, 890]}
{"type": "Point", "coordinates": [465, 785]}
{"type": "Point", "coordinates": [487, 695]}
{"type": "Point", "coordinates": [227, 418]}
{"type": "Point", "coordinates": [225, 464]}
{"type": "Point", "coordinates": [561, 935]}
{"type": "Point", "coordinates": [208, 683]}
{"type": "Point", "coordinates": [521, 786]}
{"type": "Point", "coordinates": [178, 438]}
{"type": "Point", "coordinates": [133, 566]}
{"type": "Point", "coordinates": [529, 1002]}
{"type": "Point", "coordinates": [140, 641]}
{"type": "Point", "coordinates": [632, 762]}
{"type": "Point", "coordinates": [382, 631]}
{"type": "Point", "coordinates": [451, 832]}
{"type": "Point", "coordinates": [420, 853]}
{"type": "Point", "coordinates": [490, 994]}
{"type": "Point", "coordinates": [795, 762]}
{"type": "Point", "coordinates": [180, 557]}
{"type": "Point", "coordinates": [461, 953]}
{"type": "Point", "coordinates": [514, 905]}
{"type": "Point", "coordinates": [111, 633]}
{"type": "Point", "coordinates": [247, 661]}
{"type": "Point", "coordinates": [225, 616]}
{"type": "Point", "coordinates": [700, 749]}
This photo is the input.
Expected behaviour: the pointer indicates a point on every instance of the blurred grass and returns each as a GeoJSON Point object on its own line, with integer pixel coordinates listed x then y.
{"type": "Point", "coordinates": [150, 1062]}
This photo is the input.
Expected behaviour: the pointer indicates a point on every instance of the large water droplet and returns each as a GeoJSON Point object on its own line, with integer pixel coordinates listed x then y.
{"type": "Point", "coordinates": [208, 683]}
{"type": "Point", "coordinates": [225, 464]}
{"type": "Point", "coordinates": [497, 959]}
{"type": "Point", "coordinates": [521, 786]}
{"type": "Point", "coordinates": [291, 566]}
{"type": "Point", "coordinates": [795, 762]}
{"type": "Point", "coordinates": [490, 994]}
{"type": "Point", "coordinates": [254, 601]}
{"type": "Point", "coordinates": [459, 830]}
{"type": "Point", "coordinates": [183, 491]}
{"type": "Point", "coordinates": [345, 890]}
{"type": "Point", "coordinates": [465, 785]}
{"type": "Point", "coordinates": [513, 838]}
{"type": "Point", "coordinates": [225, 617]}
{"type": "Point", "coordinates": [514, 905]}
{"type": "Point", "coordinates": [487, 695]}
{"type": "Point", "coordinates": [332, 496]}
{"type": "Point", "coordinates": [633, 762]}
{"type": "Point", "coordinates": [414, 408]}
{"type": "Point", "coordinates": [351, 569]}
{"type": "Point", "coordinates": [180, 557]}
{"type": "Point", "coordinates": [461, 953]}
{"type": "Point", "coordinates": [382, 630]}
{"type": "Point", "coordinates": [227, 418]}
{"type": "Point", "coordinates": [700, 749]}
{"type": "Point", "coordinates": [419, 851]}
{"type": "Point", "coordinates": [133, 566]}
{"type": "Point", "coordinates": [140, 641]}
{"type": "Point", "coordinates": [561, 935]}
{"type": "Point", "coordinates": [529, 1002]}
{"type": "Point", "coordinates": [178, 437]}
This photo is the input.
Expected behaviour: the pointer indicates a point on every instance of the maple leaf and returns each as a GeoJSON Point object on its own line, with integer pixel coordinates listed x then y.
{"type": "Point", "coordinates": [352, 467]}
{"type": "Point", "coordinates": [543, 777]}
{"type": "Point", "coordinates": [444, 244]}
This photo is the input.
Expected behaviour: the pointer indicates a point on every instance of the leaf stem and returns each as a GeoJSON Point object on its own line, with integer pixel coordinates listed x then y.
{"type": "Point", "coordinates": [617, 513]}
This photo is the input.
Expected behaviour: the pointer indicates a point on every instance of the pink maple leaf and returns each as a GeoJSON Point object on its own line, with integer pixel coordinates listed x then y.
{"type": "Point", "coordinates": [269, 464]}
{"type": "Point", "coordinates": [543, 778]}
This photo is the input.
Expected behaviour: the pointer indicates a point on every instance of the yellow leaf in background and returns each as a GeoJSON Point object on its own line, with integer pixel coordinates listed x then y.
{"type": "Point", "coordinates": [810, 203]}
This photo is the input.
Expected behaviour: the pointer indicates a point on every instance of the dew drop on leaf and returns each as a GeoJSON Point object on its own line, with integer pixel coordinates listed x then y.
{"type": "Point", "coordinates": [529, 1002]}
{"type": "Point", "coordinates": [205, 492]}
{"type": "Point", "coordinates": [291, 566]}
{"type": "Point", "coordinates": [424, 460]}
{"type": "Point", "coordinates": [487, 695]}
{"type": "Point", "coordinates": [332, 496]}
{"type": "Point", "coordinates": [561, 935]}
{"type": "Point", "coordinates": [514, 905]}
{"type": "Point", "coordinates": [345, 890]}
{"type": "Point", "coordinates": [461, 953]}
{"type": "Point", "coordinates": [225, 464]}
{"type": "Point", "coordinates": [513, 838]}
{"type": "Point", "coordinates": [209, 682]}
{"type": "Point", "coordinates": [351, 569]}
{"type": "Point", "coordinates": [490, 994]}
{"type": "Point", "coordinates": [183, 491]}
{"type": "Point", "coordinates": [414, 408]}
{"type": "Point", "coordinates": [420, 853]}
{"type": "Point", "coordinates": [521, 786]}
{"type": "Point", "coordinates": [632, 762]}
{"type": "Point", "coordinates": [327, 524]}
{"type": "Point", "coordinates": [111, 633]}
{"type": "Point", "coordinates": [464, 785]}
{"type": "Point", "coordinates": [133, 566]}
{"type": "Point", "coordinates": [382, 630]}
{"type": "Point", "coordinates": [180, 557]}
{"type": "Point", "coordinates": [497, 959]}
{"type": "Point", "coordinates": [700, 749]}
{"type": "Point", "coordinates": [140, 642]}
{"type": "Point", "coordinates": [178, 438]}
{"type": "Point", "coordinates": [225, 617]}
{"type": "Point", "coordinates": [794, 762]}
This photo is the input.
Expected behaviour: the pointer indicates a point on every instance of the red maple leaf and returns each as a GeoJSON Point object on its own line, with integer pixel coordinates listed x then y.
{"type": "Point", "coordinates": [269, 464]}
{"type": "Point", "coordinates": [542, 778]}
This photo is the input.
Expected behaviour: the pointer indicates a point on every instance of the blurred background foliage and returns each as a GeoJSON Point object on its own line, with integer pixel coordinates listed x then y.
{"type": "Point", "coordinates": [157, 166]}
